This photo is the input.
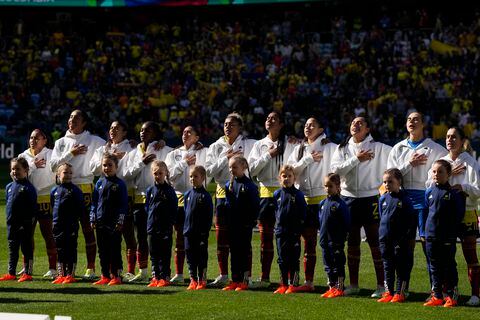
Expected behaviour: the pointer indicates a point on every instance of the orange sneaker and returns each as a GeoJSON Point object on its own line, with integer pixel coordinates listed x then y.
{"type": "Point", "coordinates": [69, 279]}
{"type": "Point", "coordinates": [336, 293]}
{"type": "Point", "coordinates": [281, 289]}
{"type": "Point", "coordinates": [153, 283]}
{"type": "Point", "coordinates": [163, 283]}
{"type": "Point", "coordinates": [202, 285]}
{"type": "Point", "coordinates": [449, 302]}
{"type": "Point", "coordinates": [115, 281]}
{"type": "Point", "coordinates": [103, 280]}
{"type": "Point", "coordinates": [386, 297]}
{"type": "Point", "coordinates": [25, 277]}
{"type": "Point", "coordinates": [8, 277]}
{"type": "Point", "coordinates": [193, 285]}
{"type": "Point", "coordinates": [231, 287]}
{"type": "Point", "coordinates": [398, 298]}
{"type": "Point", "coordinates": [327, 293]}
{"type": "Point", "coordinates": [58, 280]}
{"type": "Point", "coordinates": [242, 286]}
{"type": "Point", "coordinates": [434, 302]}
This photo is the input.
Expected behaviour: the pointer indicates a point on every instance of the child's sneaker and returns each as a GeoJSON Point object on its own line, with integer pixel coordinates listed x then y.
{"type": "Point", "coordinates": [242, 286]}
{"type": "Point", "coordinates": [336, 293]}
{"type": "Point", "coordinates": [327, 293]}
{"type": "Point", "coordinates": [219, 281]}
{"type": "Point", "coordinates": [434, 302]}
{"type": "Point", "coordinates": [230, 287]}
{"type": "Point", "coordinates": [163, 283]}
{"type": "Point", "coordinates": [352, 290]}
{"type": "Point", "coordinates": [140, 276]}
{"type": "Point", "coordinates": [379, 292]}
{"type": "Point", "coordinates": [193, 285]}
{"type": "Point", "coordinates": [202, 285]}
{"type": "Point", "coordinates": [449, 302]}
{"type": "Point", "coordinates": [178, 278]}
{"type": "Point", "coordinates": [115, 281]}
{"type": "Point", "coordinates": [386, 297]}
{"type": "Point", "coordinates": [8, 277]}
{"type": "Point", "coordinates": [281, 289]}
{"type": "Point", "coordinates": [103, 280]}
{"type": "Point", "coordinates": [89, 275]}
{"type": "Point", "coordinates": [69, 279]}
{"type": "Point", "coordinates": [25, 277]}
{"type": "Point", "coordinates": [51, 274]}
{"type": "Point", "coordinates": [58, 280]}
{"type": "Point", "coordinates": [398, 298]}
{"type": "Point", "coordinates": [153, 283]}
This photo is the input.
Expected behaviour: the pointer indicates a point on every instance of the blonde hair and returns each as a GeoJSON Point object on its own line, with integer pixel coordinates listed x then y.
{"type": "Point", "coordinates": [202, 171]}
{"type": "Point", "coordinates": [161, 165]}
{"type": "Point", "coordinates": [65, 164]}
{"type": "Point", "coordinates": [244, 162]}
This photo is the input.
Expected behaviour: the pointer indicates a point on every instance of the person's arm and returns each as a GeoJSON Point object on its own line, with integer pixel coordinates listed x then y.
{"type": "Point", "coordinates": [134, 165]}
{"type": "Point", "coordinates": [176, 168]}
{"type": "Point", "coordinates": [123, 206]}
{"type": "Point", "coordinates": [215, 163]}
{"type": "Point", "coordinates": [94, 206]}
{"type": "Point", "coordinates": [58, 157]}
{"type": "Point", "coordinates": [96, 162]}
{"type": "Point", "coordinates": [258, 161]}
{"type": "Point", "coordinates": [340, 165]}
{"type": "Point", "coordinates": [300, 164]}
{"type": "Point", "coordinates": [173, 206]}
{"type": "Point", "coordinates": [208, 213]}
{"type": "Point", "coordinates": [394, 160]}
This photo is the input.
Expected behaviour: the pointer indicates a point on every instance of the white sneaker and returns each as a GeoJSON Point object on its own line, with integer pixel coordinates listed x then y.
{"type": "Point", "coordinates": [474, 301]}
{"type": "Point", "coordinates": [141, 276]}
{"type": "Point", "coordinates": [378, 293]}
{"type": "Point", "coordinates": [178, 278]}
{"type": "Point", "coordinates": [352, 290]}
{"type": "Point", "coordinates": [259, 284]}
{"type": "Point", "coordinates": [127, 276]}
{"type": "Point", "coordinates": [220, 281]}
{"type": "Point", "coordinates": [51, 274]}
{"type": "Point", "coordinates": [21, 272]}
{"type": "Point", "coordinates": [89, 274]}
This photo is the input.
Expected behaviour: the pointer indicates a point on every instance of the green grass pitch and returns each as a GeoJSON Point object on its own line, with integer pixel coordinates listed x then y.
{"type": "Point", "coordinates": [136, 301]}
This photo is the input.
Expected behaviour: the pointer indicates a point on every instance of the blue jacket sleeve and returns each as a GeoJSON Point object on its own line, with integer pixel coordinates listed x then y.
{"type": "Point", "coordinates": [302, 207]}
{"type": "Point", "coordinates": [81, 203]}
{"type": "Point", "coordinates": [173, 204]}
{"type": "Point", "coordinates": [255, 205]}
{"type": "Point", "coordinates": [33, 201]}
{"type": "Point", "coordinates": [147, 199]}
{"type": "Point", "coordinates": [460, 206]}
{"type": "Point", "coordinates": [347, 220]}
{"type": "Point", "coordinates": [123, 207]}
{"type": "Point", "coordinates": [209, 215]}
{"type": "Point", "coordinates": [94, 206]}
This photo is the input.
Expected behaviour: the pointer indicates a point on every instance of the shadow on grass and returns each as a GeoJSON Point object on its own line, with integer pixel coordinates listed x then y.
{"type": "Point", "coordinates": [19, 301]}
{"type": "Point", "coordinates": [83, 290]}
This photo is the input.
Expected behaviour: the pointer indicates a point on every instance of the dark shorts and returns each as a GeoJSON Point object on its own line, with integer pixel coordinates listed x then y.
{"type": "Point", "coordinates": [363, 211]}
{"type": "Point", "coordinates": [469, 225]}
{"type": "Point", "coordinates": [44, 211]}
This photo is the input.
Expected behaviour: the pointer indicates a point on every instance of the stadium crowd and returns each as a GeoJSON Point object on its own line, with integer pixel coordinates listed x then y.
{"type": "Point", "coordinates": [198, 70]}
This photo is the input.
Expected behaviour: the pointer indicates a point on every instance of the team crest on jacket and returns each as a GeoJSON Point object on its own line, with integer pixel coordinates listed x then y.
{"type": "Point", "coordinates": [178, 157]}
{"type": "Point", "coordinates": [21, 189]}
{"type": "Point", "coordinates": [114, 187]}
{"type": "Point", "coordinates": [292, 199]}
{"type": "Point", "coordinates": [334, 208]}
{"type": "Point", "coordinates": [399, 204]}
{"type": "Point", "coordinates": [446, 196]}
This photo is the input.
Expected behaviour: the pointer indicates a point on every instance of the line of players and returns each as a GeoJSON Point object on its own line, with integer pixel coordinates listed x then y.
{"type": "Point", "coordinates": [359, 161]}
